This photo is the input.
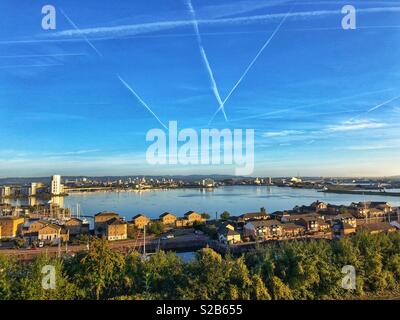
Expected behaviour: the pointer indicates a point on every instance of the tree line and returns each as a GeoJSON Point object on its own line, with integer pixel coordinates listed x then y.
{"type": "Point", "coordinates": [280, 270]}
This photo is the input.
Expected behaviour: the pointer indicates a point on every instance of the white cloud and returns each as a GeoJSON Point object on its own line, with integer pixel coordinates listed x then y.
{"type": "Point", "coordinates": [353, 125]}
{"type": "Point", "coordinates": [283, 133]}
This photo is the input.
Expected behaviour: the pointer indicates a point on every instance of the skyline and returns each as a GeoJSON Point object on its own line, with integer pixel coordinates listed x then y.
{"type": "Point", "coordinates": [323, 101]}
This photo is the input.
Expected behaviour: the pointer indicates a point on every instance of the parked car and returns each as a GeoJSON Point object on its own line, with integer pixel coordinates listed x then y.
{"type": "Point", "coordinates": [168, 236]}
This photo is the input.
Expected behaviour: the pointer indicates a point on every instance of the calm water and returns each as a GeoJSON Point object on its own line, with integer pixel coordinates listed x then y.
{"type": "Point", "coordinates": [235, 199]}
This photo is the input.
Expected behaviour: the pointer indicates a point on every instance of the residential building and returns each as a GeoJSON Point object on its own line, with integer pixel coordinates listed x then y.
{"type": "Point", "coordinates": [35, 226]}
{"type": "Point", "coordinates": [46, 231]}
{"type": "Point", "coordinates": [189, 219]}
{"type": "Point", "coordinates": [347, 229]}
{"type": "Point", "coordinates": [11, 226]}
{"type": "Point", "coordinates": [263, 229]}
{"type": "Point", "coordinates": [310, 222]}
{"type": "Point", "coordinates": [347, 218]}
{"type": "Point", "coordinates": [140, 221]}
{"type": "Point", "coordinates": [261, 215]}
{"type": "Point", "coordinates": [370, 209]}
{"type": "Point", "coordinates": [100, 221]}
{"type": "Point", "coordinates": [76, 226]}
{"type": "Point", "coordinates": [229, 236]}
{"type": "Point", "coordinates": [116, 229]}
{"type": "Point", "coordinates": [194, 216]}
{"type": "Point", "coordinates": [208, 183]}
{"type": "Point", "coordinates": [168, 218]}
{"type": "Point", "coordinates": [5, 192]}
{"type": "Point", "coordinates": [53, 233]}
{"type": "Point", "coordinates": [292, 229]}
{"type": "Point", "coordinates": [378, 227]}
{"type": "Point", "coordinates": [33, 189]}
{"type": "Point", "coordinates": [56, 186]}
{"type": "Point", "coordinates": [319, 206]}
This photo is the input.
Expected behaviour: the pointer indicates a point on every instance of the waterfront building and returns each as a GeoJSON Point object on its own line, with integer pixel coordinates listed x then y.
{"type": "Point", "coordinates": [140, 221]}
{"type": "Point", "coordinates": [378, 227]}
{"type": "Point", "coordinates": [116, 229]}
{"type": "Point", "coordinates": [56, 186]}
{"type": "Point", "coordinates": [347, 229]}
{"type": "Point", "coordinates": [168, 218]}
{"type": "Point", "coordinates": [263, 229]}
{"type": "Point", "coordinates": [5, 191]}
{"type": "Point", "coordinates": [53, 233]}
{"type": "Point", "coordinates": [229, 236]}
{"type": "Point", "coordinates": [208, 183]}
{"type": "Point", "coordinates": [42, 230]}
{"type": "Point", "coordinates": [292, 230]}
{"type": "Point", "coordinates": [100, 221]}
{"type": "Point", "coordinates": [11, 226]}
{"type": "Point", "coordinates": [77, 226]}
{"type": "Point", "coordinates": [319, 206]}
{"type": "Point", "coordinates": [261, 215]}
{"type": "Point", "coordinates": [32, 189]}
{"type": "Point", "coordinates": [189, 219]}
{"type": "Point", "coordinates": [310, 222]}
{"type": "Point", "coordinates": [295, 180]}
{"type": "Point", "coordinates": [345, 218]}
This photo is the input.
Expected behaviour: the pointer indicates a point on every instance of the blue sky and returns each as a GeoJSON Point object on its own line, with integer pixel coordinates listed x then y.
{"type": "Point", "coordinates": [322, 100]}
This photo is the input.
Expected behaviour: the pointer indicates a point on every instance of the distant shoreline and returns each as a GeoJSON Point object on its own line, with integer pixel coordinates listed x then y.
{"type": "Point", "coordinates": [371, 193]}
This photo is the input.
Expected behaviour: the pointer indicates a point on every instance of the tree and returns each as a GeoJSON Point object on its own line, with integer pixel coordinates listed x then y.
{"type": "Point", "coordinates": [99, 272]}
{"type": "Point", "coordinates": [225, 215]}
{"type": "Point", "coordinates": [132, 231]}
{"type": "Point", "coordinates": [8, 267]}
{"type": "Point", "coordinates": [279, 290]}
{"type": "Point", "coordinates": [205, 215]}
{"type": "Point", "coordinates": [156, 227]}
{"type": "Point", "coordinates": [28, 284]}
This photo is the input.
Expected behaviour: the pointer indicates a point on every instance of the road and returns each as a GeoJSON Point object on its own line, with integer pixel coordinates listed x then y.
{"type": "Point", "coordinates": [180, 243]}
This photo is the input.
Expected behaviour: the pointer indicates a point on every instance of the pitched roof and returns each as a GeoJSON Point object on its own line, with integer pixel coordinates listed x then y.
{"type": "Point", "coordinates": [230, 232]}
{"type": "Point", "coordinates": [251, 215]}
{"type": "Point", "coordinates": [106, 213]}
{"type": "Point", "coordinates": [165, 214]}
{"type": "Point", "coordinates": [74, 219]}
{"type": "Point", "coordinates": [138, 216]}
{"type": "Point", "coordinates": [378, 226]}
{"type": "Point", "coordinates": [265, 223]}
{"type": "Point", "coordinates": [115, 221]}
{"type": "Point", "coordinates": [190, 212]}
{"type": "Point", "coordinates": [291, 225]}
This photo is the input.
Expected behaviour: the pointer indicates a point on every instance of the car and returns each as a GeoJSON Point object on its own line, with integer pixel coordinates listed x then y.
{"type": "Point", "coordinates": [168, 236]}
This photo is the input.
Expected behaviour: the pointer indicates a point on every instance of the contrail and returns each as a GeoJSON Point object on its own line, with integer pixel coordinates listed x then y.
{"type": "Point", "coordinates": [83, 36]}
{"type": "Point", "coordinates": [271, 113]}
{"type": "Point", "coordinates": [204, 56]}
{"type": "Point", "coordinates": [31, 65]}
{"type": "Point", "coordinates": [44, 55]}
{"type": "Point", "coordinates": [382, 104]}
{"type": "Point", "coordinates": [251, 64]}
{"type": "Point", "coordinates": [141, 101]}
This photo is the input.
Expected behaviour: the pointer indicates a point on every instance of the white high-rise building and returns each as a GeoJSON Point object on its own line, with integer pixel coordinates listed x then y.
{"type": "Point", "coordinates": [56, 186]}
{"type": "Point", "coordinates": [5, 191]}
{"type": "Point", "coordinates": [32, 189]}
